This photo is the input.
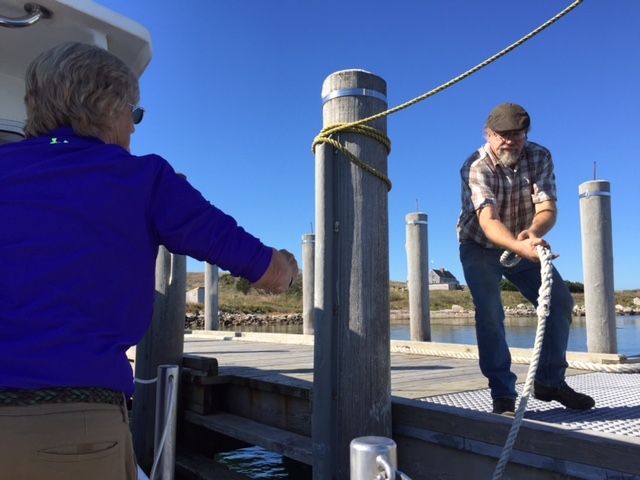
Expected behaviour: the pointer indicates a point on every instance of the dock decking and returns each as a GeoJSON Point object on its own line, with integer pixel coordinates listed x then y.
{"type": "Point", "coordinates": [255, 372]}
{"type": "Point", "coordinates": [288, 360]}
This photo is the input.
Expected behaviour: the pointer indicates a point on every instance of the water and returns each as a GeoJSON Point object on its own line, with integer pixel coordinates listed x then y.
{"type": "Point", "coordinates": [256, 462]}
{"type": "Point", "coordinates": [521, 332]}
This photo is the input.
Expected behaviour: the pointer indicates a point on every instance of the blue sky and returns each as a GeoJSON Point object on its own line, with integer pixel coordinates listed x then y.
{"type": "Point", "coordinates": [233, 101]}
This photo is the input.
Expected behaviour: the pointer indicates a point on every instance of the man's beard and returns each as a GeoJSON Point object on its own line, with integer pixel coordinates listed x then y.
{"type": "Point", "coordinates": [508, 158]}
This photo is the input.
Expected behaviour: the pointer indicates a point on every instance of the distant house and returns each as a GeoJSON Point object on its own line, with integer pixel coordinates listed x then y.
{"type": "Point", "coordinates": [195, 295]}
{"type": "Point", "coordinates": [443, 280]}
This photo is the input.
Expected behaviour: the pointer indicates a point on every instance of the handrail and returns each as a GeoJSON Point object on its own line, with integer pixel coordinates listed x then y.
{"type": "Point", "coordinates": [34, 13]}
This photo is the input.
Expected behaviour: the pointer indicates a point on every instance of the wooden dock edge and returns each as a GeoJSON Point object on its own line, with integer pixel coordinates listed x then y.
{"type": "Point", "coordinates": [434, 441]}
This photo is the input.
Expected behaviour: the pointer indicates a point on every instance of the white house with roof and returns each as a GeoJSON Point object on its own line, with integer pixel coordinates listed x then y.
{"type": "Point", "coordinates": [442, 279]}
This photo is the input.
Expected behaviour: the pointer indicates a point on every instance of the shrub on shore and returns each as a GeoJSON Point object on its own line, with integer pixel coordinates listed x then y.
{"type": "Point", "coordinates": [250, 300]}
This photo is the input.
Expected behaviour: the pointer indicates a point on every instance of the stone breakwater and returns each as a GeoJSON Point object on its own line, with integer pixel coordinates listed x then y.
{"type": "Point", "coordinates": [226, 319]}
{"type": "Point", "coordinates": [196, 322]}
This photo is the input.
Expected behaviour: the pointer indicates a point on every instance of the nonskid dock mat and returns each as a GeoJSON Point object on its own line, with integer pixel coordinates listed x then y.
{"type": "Point", "coordinates": [617, 409]}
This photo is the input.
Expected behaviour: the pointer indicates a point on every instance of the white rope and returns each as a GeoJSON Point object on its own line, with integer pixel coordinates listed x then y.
{"type": "Point", "coordinates": [509, 259]}
{"type": "Point", "coordinates": [145, 382]}
{"type": "Point", "coordinates": [591, 366]}
{"type": "Point", "coordinates": [544, 299]}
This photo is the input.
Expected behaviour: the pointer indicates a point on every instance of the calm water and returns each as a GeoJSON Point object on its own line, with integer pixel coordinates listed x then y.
{"type": "Point", "coordinates": [521, 332]}
{"type": "Point", "coordinates": [256, 462]}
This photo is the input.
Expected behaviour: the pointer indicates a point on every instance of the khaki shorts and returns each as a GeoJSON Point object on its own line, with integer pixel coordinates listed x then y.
{"type": "Point", "coordinates": [67, 441]}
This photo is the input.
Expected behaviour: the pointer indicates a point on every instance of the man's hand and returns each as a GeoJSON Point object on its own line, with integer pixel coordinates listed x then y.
{"type": "Point", "coordinates": [527, 245]}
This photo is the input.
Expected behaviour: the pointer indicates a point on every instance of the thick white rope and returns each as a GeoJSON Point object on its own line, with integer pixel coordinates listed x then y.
{"type": "Point", "coordinates": [544, 300]}
{"type": "Point", "coordinates": [595, 367]}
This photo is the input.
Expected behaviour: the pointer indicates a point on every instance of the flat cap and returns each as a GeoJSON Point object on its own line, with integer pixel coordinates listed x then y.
{"type": "Point", "coordinates": [507, 117]}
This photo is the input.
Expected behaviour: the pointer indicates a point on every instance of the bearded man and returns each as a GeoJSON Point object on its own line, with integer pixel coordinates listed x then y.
{"type": "Point", "coordinates": [509, 203]}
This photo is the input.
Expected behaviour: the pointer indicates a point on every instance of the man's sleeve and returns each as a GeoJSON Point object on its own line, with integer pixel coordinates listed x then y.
{"type": "Point", "coordinates": [544, 185]}
{"type": "Point", "coordinates": [480, 186]}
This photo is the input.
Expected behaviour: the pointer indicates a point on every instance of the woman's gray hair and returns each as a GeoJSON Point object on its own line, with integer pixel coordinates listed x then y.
{"type": "Point", "coordinates": [80, 86]}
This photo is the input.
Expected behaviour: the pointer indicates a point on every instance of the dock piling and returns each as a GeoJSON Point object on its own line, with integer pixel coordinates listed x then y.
{"type": "Point", "coordinates": [352, 381]}
{"type": "Point", "coordinates": [211, 303]}
{"type": "Point", "coordinates": [418, 276]}
{"type": "Point", "coordinates": [308, 274]}
{"type": "Point", "coordinates": [597, 264]}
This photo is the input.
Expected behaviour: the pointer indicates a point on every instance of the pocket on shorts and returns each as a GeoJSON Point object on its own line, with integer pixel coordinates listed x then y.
{"type": "Point", "coordinates": [79, 453]}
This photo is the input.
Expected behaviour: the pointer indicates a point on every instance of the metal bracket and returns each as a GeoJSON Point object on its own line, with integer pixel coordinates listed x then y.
{"type": "Point", "coordinates": [34, 13]}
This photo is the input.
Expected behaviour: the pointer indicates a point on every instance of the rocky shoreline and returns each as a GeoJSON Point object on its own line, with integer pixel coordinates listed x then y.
{"type": "Point", "coordinates": [195, 321]}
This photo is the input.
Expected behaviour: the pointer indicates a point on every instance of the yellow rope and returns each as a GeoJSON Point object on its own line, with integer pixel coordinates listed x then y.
{"type": "Point", "coordinates": [325, 134]}
{"type": "Point", "coordinates": [324, 137]}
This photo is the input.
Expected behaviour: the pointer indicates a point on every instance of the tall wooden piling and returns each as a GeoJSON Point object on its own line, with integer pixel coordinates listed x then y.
{"type": "Point", "coordinates": [161, 345]}
{"type": "Point", "coordinates": [352, 385]}
{"type": "Point", "coordinates": [308, 273]}
{"type": "Point", "coordinates": [211, 302]}
{"type": "Point", "coordinates": [418, 273]}
{"type": "Point", "coordinates": [597, 265]}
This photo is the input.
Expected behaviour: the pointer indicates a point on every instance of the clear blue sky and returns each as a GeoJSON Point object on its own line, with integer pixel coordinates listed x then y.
{"type": "Point", "coordinates": [233, 102]}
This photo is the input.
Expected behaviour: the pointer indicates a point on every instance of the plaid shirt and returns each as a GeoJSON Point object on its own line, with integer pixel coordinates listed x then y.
{"type": "Point", "coordinates": [513, 192]}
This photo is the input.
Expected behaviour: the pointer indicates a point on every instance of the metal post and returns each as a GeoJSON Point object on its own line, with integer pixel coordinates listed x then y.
{"type": "Point", "coordinates": [211, 279]}
{"type": "Point", "coordinates": [597, 264]}
{"type": "Point", "coordinates": [352, 380]}
{"type": "Point", "coordinates": [371, 456]}
{"type": "Point", "coordinates": [163, 344]}
{"type": "Point", "coordinates": [166, 414]}
{"type": "Point", "coordinates": [418, 272]}
{"type": "Point", "coordinates": [308, 273]}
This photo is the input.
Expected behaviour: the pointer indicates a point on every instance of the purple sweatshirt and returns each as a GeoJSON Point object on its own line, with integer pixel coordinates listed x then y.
{"type": "Point", "coordinates": [80, 226]}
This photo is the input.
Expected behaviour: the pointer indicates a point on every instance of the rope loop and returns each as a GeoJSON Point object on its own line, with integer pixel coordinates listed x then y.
{"type": "Point", "coordinates": [325, 137]}
{"type": "Point", "coordinates": [145, 382]}
{"type": "Point", "coordinates": [509, 259]}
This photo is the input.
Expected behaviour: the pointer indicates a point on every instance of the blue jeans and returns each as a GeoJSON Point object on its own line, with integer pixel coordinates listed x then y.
{"type": "Point", "coordinates": [483, 273]}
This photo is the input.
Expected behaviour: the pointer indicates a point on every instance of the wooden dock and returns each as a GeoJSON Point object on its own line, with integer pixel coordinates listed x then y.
{"type": "Point", "coordinates": [255, 389]}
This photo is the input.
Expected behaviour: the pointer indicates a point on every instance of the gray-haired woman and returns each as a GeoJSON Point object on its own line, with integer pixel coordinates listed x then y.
{"type": "Point", "coordinates": [82, 220]}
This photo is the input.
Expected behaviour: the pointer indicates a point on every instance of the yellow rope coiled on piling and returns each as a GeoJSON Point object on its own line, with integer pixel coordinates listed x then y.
{"type": "Point", "coordinates": [325, 137]}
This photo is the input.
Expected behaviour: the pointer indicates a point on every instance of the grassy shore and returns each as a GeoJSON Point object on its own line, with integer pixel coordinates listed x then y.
{"type": "Point", "coordinates": [235, 297]}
